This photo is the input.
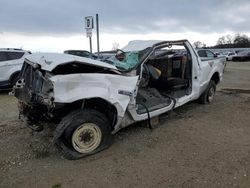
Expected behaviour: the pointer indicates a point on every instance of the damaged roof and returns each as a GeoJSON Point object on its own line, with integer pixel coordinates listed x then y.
{"type": "Point", "coordinates": [138, 45]}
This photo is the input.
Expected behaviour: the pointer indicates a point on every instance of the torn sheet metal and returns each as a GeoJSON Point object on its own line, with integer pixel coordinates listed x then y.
{"type": "Point", "coordinates": [114, 88]}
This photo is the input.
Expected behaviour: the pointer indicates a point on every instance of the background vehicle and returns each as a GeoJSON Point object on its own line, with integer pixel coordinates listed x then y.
{"type": "Point", "coordinates": [229, 55]}
{"type": "Point", "coordinates": [11, 61]}
{"type": "Point", "coordinates": [81, 53]}
{"type": "Point", "coordinates": [242, 56]}
{"type": "Point", "coordinates": [94, 99]}
{"type": "Point", "coordinates": [219, 54]}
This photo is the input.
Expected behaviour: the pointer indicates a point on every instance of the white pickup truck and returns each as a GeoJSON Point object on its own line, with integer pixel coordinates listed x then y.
{"type": "Point", "coordinates": [92, 99]}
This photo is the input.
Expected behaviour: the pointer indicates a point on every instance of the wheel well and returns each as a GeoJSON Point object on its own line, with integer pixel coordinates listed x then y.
{"type": "Point", "coordinates": [13, 76]}
{"type": "Point", "coordinates": [98, 104]}
{"type": "Point", "coordinates": [216, 78]}
{"type": "Point", "coordinates": [104, 107]}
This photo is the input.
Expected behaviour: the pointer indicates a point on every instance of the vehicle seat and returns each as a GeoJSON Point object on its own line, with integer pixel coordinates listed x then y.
{"type": "Point", "coordinates": [175, 83]}
{"type": "Point", "coordinates": [176, 77]}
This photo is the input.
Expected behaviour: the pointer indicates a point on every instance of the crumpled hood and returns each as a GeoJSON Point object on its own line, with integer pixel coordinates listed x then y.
{"type": "Point", "coordinates": [50, 61]}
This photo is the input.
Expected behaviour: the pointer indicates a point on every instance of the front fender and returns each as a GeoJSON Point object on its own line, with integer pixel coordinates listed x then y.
{"type": "Point", "coordinates": [73, 87]}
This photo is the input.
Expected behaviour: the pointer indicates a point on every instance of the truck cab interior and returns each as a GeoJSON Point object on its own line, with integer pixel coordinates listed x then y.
{"type": "Point", "coordinates": [165, 76]}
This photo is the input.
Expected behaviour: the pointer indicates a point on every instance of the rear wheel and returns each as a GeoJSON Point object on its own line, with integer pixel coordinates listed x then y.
{"type": "Point", "coordinates": [87, 132]}
{"type": "Point", "coordinates": [209, 93]}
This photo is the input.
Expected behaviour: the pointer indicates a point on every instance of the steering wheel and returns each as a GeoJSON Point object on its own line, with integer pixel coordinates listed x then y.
{"type": "Point", "coordinates": [145, 76]}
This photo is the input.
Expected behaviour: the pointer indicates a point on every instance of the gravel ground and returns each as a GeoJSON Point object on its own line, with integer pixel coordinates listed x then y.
{"type": "Point", "coordinates": [195, 146]}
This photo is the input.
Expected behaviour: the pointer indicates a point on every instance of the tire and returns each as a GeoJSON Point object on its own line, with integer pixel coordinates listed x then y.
{"type": "Point", "coordinates": [208, 95]}
{"type": "Point", "coordinates": [14, 79]}
{"type": "Point", "coordinates": [86, 132]}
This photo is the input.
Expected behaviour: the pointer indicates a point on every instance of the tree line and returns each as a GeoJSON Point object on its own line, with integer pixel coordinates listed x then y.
{"type": "Point", "coordinates": [228, 41]}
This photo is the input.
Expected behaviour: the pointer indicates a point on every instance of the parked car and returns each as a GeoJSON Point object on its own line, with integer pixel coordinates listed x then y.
{"type": "Point", "coordinates": [219, 54]}
{"type": "Point", "coordinates": [81, 53]}
{"type": "Point", "coordinates": [230, 55]}
{"type": "Point", "coordinates": [11, 61]}
{"type": "Point", "coordinates": [93, 99]}
{"type": "Point", "coordinates": [242, 56]}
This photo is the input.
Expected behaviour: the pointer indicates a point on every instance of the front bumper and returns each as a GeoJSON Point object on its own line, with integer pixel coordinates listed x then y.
{"type": "Point", "coordinates": [27, 119]}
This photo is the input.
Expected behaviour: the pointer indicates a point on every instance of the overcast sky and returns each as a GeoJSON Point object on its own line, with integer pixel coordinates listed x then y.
{"type": "Point", "coordinates": [53, 25]}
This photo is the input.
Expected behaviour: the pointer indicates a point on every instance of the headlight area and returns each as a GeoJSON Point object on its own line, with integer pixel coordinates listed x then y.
{"type": "Point", "coordinates": [34, 85]}
{"type": "Point", "coordinates": [35, 95]}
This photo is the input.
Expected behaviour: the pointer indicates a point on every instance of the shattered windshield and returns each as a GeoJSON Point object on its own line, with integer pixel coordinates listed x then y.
{"type": "Point", "coordinates": [130, 60]}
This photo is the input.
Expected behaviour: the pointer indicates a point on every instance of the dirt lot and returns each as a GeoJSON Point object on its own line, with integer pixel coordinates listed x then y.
{"type": "Point", "coordinates": [196, 146]}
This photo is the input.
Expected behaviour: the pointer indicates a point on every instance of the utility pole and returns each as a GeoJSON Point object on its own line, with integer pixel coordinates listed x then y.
{"type": "Point", "coordinates": [97, 34]}
{"type": "Point", "coordinates": [90, 44]}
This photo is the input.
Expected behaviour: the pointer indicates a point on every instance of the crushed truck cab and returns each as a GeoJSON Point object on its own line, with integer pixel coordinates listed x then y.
{"type": "Point", "coordinates": [90, 100]}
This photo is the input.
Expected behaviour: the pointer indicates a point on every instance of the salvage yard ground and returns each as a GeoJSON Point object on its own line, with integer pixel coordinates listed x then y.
{"type": "Point", "coordinates": [195, 146]}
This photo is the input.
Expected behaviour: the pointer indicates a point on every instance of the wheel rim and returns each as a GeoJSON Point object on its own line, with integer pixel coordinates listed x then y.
{"type": "Point", "coordinates": [86, 138]}
{"type": "Point", "coordinates": [211, 93]}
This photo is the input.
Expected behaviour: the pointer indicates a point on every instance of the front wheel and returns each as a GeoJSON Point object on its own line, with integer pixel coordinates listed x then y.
{"type": "Point", "coordinates": [208, 95]}
{"type": "Point", "coordinates": [87, 132]}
